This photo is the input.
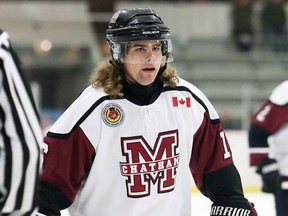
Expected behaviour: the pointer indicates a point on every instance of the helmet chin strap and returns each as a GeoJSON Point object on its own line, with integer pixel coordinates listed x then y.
{"type": "Point", "coordinates": [162, 69]}
{"type": "Point", "coordinates": [119, 67]}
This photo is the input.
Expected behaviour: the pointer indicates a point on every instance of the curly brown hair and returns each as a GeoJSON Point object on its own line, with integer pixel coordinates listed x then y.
{"type": "Point", "coordinates": [105, 75]}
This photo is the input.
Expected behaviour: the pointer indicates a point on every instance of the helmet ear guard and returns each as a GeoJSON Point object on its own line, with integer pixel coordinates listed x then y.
{"type": "Point", "coordinates": [167, 48]}
{"type": "Point", "coordinates": [138, 24]}
{"type": "Point", "coordinates": [117, 50]}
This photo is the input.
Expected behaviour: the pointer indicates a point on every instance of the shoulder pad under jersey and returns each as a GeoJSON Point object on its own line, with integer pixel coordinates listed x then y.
{"type": "Point", "coordinates": [279, 95]}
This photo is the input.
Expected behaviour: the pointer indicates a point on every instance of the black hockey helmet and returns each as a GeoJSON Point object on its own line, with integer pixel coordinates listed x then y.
{"type": "Point", "coordinates": [137, 24]}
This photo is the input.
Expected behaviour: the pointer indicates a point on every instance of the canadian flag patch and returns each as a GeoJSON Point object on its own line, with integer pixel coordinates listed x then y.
{"type": "Point", "coordinates": [181, 102]}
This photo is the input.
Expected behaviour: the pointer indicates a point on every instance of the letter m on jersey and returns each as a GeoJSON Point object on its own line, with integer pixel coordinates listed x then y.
{"type": "Point", "coordinates": [145, 165]}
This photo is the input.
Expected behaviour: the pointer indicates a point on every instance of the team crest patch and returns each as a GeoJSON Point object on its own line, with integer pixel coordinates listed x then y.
{"type": "Point", "coordinates": [113, 115]}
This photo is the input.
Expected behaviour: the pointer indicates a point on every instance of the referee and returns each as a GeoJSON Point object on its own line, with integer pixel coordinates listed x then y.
{"type": "Point", "coordinates": [20, 136]}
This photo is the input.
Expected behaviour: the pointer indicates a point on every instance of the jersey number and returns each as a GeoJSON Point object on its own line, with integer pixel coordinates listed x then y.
{"type": "Point", "coordinates": [263, 113]}
{"type": "Point", "coordinates": [227, 153]}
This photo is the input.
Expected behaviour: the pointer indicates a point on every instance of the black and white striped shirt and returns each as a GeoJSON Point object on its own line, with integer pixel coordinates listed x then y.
{"type": "Point", "coordinates": [20, 136]}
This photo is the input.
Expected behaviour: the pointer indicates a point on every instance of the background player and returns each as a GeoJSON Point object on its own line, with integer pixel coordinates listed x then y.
{"type": "Point", "coordinates": [20, 136]}
{"type": "Point", "coordinates": [130, 142]}
{"type": "Point", "coordinates": [268, 137]}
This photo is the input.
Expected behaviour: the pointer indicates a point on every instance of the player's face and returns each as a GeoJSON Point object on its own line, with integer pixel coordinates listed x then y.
{"type": "Point", "coordinates": [142, 61]}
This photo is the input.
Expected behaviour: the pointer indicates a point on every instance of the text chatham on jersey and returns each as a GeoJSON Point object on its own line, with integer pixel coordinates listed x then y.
{"type": "Point", "coordinates": [150, 166]}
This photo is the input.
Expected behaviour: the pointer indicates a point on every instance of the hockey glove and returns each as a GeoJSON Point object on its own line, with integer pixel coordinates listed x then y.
{"type": "Point", "coordinates": [229, 207]}
{"type": "Point", "coordinates": [268, 170]}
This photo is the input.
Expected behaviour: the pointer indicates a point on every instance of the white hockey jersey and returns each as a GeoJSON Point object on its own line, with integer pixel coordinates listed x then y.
{"type": "Point", "coordinates": [113, 157]}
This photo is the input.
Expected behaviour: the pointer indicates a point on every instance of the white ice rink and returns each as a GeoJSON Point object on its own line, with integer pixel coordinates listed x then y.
{"type": "Point", "coordinates": [264, 204]}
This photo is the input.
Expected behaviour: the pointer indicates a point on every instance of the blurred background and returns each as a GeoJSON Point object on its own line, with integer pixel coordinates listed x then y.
{"type": "Point", "coordinates": [226, 48]}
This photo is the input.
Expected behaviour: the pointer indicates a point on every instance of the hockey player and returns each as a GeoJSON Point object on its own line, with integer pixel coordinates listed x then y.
{"type": "Point", "coordinates": [20, 136]}
{"type": "Point", "coordinates": [268, 137]}
{"type": "Point", "coordinates": [129, 144]}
